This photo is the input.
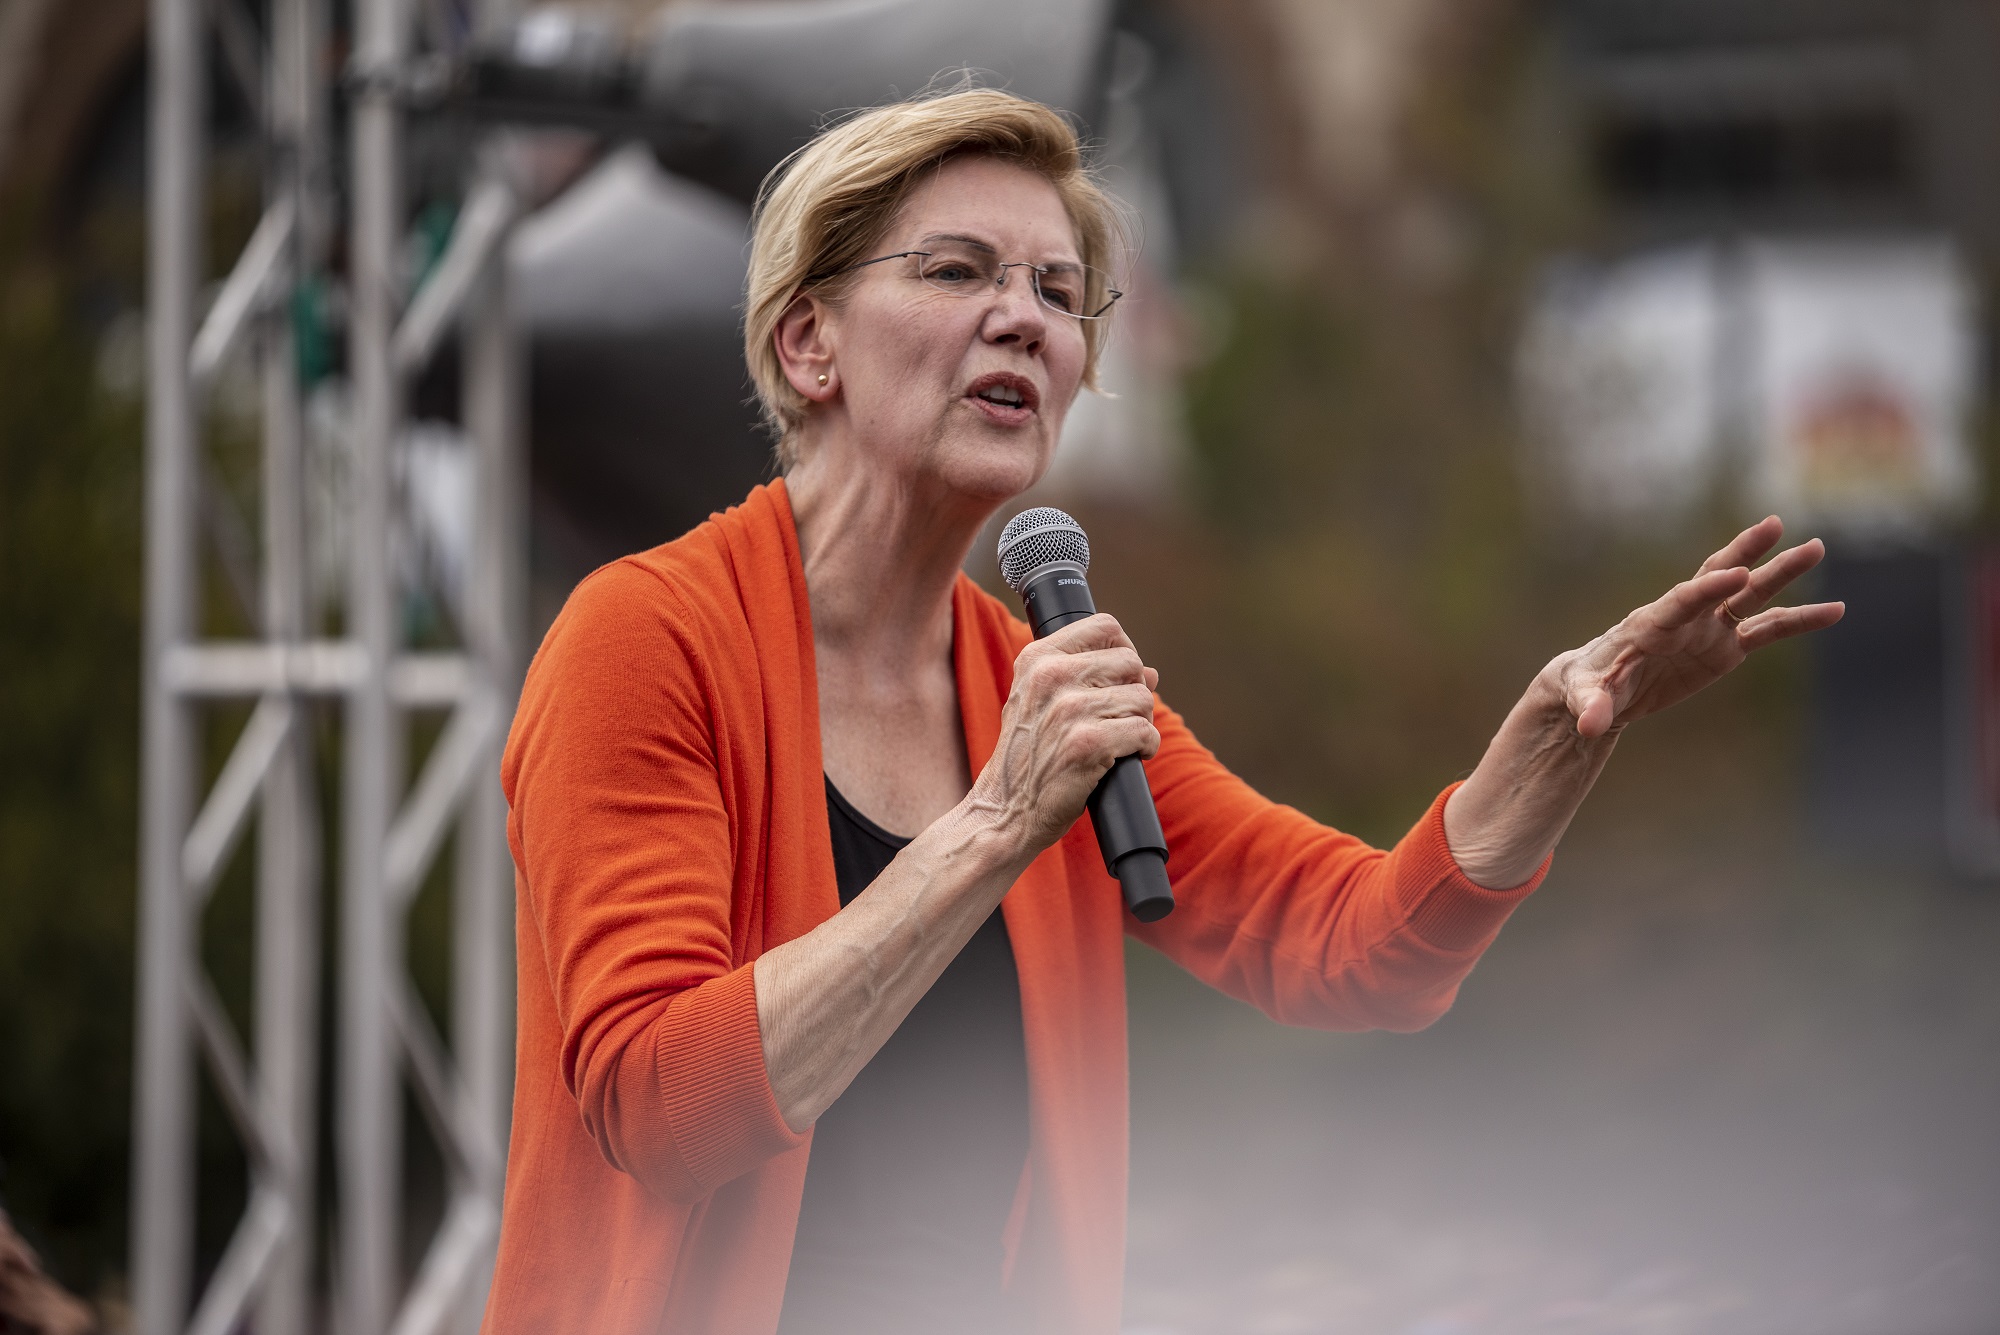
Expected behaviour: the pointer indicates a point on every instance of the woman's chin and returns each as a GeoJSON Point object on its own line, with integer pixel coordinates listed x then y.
{"type": "Point", "coordinates": [993, 470]}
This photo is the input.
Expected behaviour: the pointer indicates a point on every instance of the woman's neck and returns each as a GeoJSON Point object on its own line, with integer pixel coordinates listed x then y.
{"type": "Point", "coordinates": [881, 554]}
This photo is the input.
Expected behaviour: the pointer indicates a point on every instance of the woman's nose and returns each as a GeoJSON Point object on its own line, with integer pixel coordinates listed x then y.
{"type": "Point", "coordinates": [1018, 314]}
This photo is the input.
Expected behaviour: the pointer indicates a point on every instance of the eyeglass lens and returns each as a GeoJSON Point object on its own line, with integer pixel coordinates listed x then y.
{"type": "Point", "coordinates": [1072, 289]}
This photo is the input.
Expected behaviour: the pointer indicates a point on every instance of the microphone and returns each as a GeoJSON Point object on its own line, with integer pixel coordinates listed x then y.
{"type": "Point", "coordinates": [1044, 557]}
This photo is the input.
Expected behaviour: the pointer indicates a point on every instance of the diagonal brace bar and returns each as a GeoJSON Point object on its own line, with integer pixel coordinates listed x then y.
{"type": "Point", "coordinates": [449, 1265]}
{"type": "Point", "coordinates": [223, 816]}
{"type": "Point", "coordinates": [244, 288]}
{"type": "Point", "coordinates": [420, 828]}
{"type": "Point", "coordinates": [482, 224]}
{"type": "Point", "coordinates": [233, 1078]}
{"type": "Point", "coordinates": [245, 1262]}
{"type": "Point", "coordinates": [440, 1093]}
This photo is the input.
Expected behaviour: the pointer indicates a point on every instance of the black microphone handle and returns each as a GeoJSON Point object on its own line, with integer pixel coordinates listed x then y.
{"type": "Point", "coordinates": [1121, 806]}
{"type": "Point", "coordinates": [1129, 836]}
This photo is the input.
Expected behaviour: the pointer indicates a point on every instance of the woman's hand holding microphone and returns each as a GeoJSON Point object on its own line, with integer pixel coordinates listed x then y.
{"type": "Point", "coordinates": [1081, 699]}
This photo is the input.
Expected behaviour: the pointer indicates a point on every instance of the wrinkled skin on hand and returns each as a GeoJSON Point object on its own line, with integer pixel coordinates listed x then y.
{"type": "Point", "coordinates": [1081, 699]}
{"type": "Point", "coordinates": [1693, 635]}
{"type": "Point", "coordinates": [1507, 817]}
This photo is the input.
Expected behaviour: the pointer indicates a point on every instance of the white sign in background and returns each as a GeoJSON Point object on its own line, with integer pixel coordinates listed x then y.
{"type": "Point", "coordinates": [1618, 383]}
{"type": "Point", "coordinates": [1865, 375]}
{"type": "Point", "coordinates": [1844, 370]}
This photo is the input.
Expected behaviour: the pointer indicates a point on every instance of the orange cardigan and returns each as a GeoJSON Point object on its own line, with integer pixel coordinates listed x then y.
{"type": "Point", "coordinates": [668, 820]}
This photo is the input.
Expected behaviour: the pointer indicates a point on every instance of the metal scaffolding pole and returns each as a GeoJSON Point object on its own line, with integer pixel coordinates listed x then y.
{"type": "Point", "coordinates": [483, 902]}
{"type": "Point", "coordinates": [268, 1259]}
{"type": "Point", "coordinates": [391, 840]}
{"type": "Point", "coordinates": [288, 848]}
{"type": "Point", "coordinates": [371, 946]}
{"type": "Point", "coordinates": [387, 843]}
{"type": "Point", "coordinates": [464, 1092]}
{"type": "Point", "coordinates": [163, 1112]}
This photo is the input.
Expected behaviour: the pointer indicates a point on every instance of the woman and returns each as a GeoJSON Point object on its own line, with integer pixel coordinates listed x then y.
{"type": "Point", "coordinates": [821, 987]}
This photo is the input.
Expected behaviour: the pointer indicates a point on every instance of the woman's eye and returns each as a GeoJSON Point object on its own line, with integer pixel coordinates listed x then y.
{"type": "Point", "coordinates": [1059, 297]}
{"type": "Point", "coordinates": [951, 273]}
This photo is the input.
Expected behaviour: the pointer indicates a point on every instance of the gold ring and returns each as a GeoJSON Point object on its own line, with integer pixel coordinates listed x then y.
{"type": "Point", "coordinates": [1734, 620]}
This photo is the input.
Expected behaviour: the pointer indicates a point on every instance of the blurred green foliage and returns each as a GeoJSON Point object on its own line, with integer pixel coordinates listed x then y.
{"type": "Point", "coordinates": [70, 503]}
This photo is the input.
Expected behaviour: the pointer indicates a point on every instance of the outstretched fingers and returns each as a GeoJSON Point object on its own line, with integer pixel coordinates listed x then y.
{"type": "Point", "coordinates": [1771, 579]}
{"type": "Point", "coordinates": [1694, 633]}
{"type": "Point", "coordinates": [1782, 623]}
{"type": "Point", "coordinates": [1690, 598]}
{"type": "Point", "coordinates": [1748, 547]}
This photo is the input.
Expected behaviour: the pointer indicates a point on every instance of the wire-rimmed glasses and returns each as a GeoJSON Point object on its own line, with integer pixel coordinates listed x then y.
{"type": "Point", "coordinates": [966, 269]}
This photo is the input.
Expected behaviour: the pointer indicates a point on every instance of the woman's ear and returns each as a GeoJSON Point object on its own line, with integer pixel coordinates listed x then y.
{"type": "Point", "coordinates": [804, 339]}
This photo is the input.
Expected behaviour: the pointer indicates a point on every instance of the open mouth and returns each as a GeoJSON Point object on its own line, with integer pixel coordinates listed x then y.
{"type": "Point", "coordinates": [1007, 397]}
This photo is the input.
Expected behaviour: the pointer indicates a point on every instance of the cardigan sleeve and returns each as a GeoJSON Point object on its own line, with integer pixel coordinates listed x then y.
{"type": "Point", "coordinates": [622, 838]}
{"type": "Point", "coordinates": [1312, 926]}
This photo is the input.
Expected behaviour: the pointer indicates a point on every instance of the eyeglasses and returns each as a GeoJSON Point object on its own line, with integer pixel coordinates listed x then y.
{"type": "Point", "coordinates": [1075, 290]}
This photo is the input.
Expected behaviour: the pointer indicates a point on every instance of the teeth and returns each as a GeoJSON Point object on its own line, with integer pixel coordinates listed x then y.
{"type": "Point", "coordinates": [1002, 394]}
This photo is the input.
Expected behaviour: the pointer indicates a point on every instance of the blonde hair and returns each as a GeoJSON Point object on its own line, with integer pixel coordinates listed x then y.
{"type": "Point", "coordinates": [824, 207]}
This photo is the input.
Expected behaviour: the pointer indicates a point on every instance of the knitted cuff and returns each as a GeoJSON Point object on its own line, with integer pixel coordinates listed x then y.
{"type": "Point", "coordinates": [1443, 908]}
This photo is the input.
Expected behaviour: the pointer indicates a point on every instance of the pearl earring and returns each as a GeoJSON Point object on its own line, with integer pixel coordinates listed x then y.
{"type": "Point", "coordinates": [822, 377]}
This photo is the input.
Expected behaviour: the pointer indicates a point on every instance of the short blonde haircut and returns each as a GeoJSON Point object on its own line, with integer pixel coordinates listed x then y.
{"type": "Point", "coordinates": [828, 205]}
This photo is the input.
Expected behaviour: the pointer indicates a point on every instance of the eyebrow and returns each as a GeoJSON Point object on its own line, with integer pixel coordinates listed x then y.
{"type": "Point", "coordinates": [968, 240]}
{"type": "Point", "coordinates": [990, 249]}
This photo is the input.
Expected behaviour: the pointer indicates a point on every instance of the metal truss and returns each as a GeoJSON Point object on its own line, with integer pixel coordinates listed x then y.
{"type": "Point", "coordinates": [391, 830]}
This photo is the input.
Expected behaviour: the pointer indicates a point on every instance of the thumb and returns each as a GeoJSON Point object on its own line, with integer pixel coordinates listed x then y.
{"type": "Point", "coordinates": [1594, 710]}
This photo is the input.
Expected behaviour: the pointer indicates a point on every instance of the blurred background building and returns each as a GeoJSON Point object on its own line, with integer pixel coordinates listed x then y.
{"type": "Point", "coordinates": [1457, 327]}
{"type": "Point", "coordinates": [1792, 315]}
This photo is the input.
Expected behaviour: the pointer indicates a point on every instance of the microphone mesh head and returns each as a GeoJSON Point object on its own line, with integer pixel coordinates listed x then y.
{"type": "Point", "coordinates": [1035, 538]}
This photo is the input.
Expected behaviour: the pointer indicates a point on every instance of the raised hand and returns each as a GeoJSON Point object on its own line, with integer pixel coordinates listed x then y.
{"type": "Point", "coordinates": [1514, 808]}
{"type": "Point", "coordinates": [1694, 634]}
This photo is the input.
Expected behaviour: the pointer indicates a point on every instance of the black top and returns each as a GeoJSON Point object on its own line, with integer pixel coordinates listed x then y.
{"type": "Point", "coordinates": [913, 1169]}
